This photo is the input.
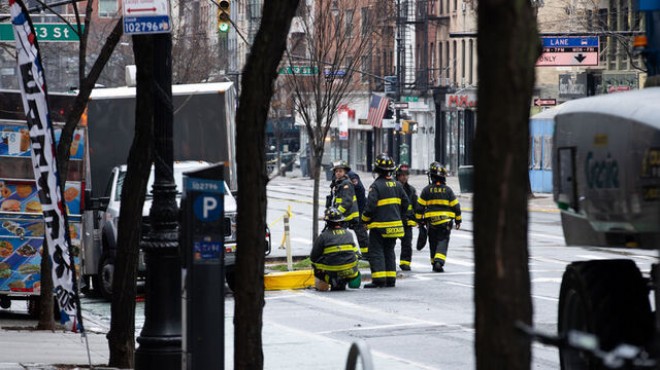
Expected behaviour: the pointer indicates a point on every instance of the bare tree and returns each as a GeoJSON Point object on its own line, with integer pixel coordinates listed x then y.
{"type": "Point", "coordinates": [195, 56]}
{"type": "Point", "coordinates": [330, 46]}
{"type": "Point", "coordinates": [508, 40]}
{"type": "Point", "coordinates": [257, 90]}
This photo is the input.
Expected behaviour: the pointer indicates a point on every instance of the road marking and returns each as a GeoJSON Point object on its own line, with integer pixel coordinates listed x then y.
{"type": "Point", "coordinates": [549, 260]}
{"type": "Point", "coordinates": [317, 337]}
{"type": "Point", "coordinates": [374, 327]}
{"type": "Point", "coordinates": [545, 298]}
{"type": "Point", "coordinates": [591, 257]}
{"type": "Point", "coordinates": [546, 280]}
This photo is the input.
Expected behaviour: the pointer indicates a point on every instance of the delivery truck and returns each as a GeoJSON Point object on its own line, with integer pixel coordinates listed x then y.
{"type": "Point", "coordinates": [606, 182]}
{"type": "Point", "coordinates": [203, 130]}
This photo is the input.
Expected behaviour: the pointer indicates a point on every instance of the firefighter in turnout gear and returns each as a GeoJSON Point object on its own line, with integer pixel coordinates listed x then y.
{"type": "Point", "coordinates": [402, 172]}
{"type": "Point", "coordinates": [384, 215]}
{"type": "Point", "coordinates": [438, 208]}
{"type": "Point", "coordinates": [334, 255]}
{"type": "Point", "coordinates": [343, 197]}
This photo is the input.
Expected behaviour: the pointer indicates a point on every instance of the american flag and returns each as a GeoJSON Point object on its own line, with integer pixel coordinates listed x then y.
{"type": "Point", "coordinates": [377, 109]}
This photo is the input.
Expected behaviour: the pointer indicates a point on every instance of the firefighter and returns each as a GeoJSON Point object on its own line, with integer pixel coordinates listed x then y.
{"type": "Point", "coordinates": [343, 197]}
{"type": "Point", "coordinates": [384, 215]}
{"type": "Point", "coordinates": [334, 255]}
{"type": "Point", "coordinates": [438, 208]}
{"type": "Point", "coordinates": [402, 172]}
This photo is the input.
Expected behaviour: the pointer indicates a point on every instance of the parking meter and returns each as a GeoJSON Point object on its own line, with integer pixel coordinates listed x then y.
{"type": "Point", "coordinates": [203, 276]}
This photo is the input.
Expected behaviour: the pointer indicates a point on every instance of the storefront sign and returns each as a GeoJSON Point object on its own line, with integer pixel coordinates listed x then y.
{"type": "Point", "coordinates": [461, 101]}
{"type": "Point", "coordinates": [572, 86]}
{"type": "Point", "coordinates": [617, 82]}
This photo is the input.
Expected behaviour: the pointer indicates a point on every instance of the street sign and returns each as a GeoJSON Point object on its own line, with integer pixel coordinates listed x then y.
{"type": "Point", "coordinates": [46, 32]}
{"type": "Point", "coordinates": [299, 70]}
{"type": "Point", "coordinates": [400, 105]}
{"type": "Point", "coordinates": [339, 73]}
{"type": "Point", "coordinates": [544, 102]}
{"type": "Point", "coordinates": [410, 99]}
{"type": "Point", "coordinates": [146, 17]}
{"type": "Point", "coordinates": [569, 51]}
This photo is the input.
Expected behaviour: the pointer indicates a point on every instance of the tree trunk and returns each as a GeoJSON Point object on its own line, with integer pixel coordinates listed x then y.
{"type": "Point", "coordinates": [121, 338]}
{"type": "Point", "coordinates": [508, 47]}
{"type": "Point", "coordinates": [259, 74]}
{"type": "Point", "coordinates": [45, 303]}
{"type": "Point", "coordinates": [316, 175]}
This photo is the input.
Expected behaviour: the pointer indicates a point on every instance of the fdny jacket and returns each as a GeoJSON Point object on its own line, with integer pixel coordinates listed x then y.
{"type": "Point", "coordinates": [412, 197]}
{"type": "Point", "coordinates": [345, 199]}
{"type": "Point", "coordinates": [334, 250]}
{"type": "Point", "coordinates": [438, 205]}
{"type": "Point", "coordinates": [386, 207]}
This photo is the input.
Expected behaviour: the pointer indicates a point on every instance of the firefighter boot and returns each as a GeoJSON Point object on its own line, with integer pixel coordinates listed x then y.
{"type": "Point", "coordinates": [437, 267]}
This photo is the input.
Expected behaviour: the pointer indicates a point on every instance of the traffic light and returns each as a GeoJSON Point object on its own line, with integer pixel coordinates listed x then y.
{"type": "Point", "coordinates": [409, 126]}
{"type": "Point", "coordinates": [223, 16]}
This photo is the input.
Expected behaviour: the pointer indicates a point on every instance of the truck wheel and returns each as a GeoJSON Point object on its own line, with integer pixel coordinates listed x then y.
{"type": "Point", "coordinates": [230, 276]}
{"type": "Point", "coordinates": [5, 302]}
{"type": "Point", "coordinates": [104, 279]}
{"type": "Point", "coordinates": [607, 298]}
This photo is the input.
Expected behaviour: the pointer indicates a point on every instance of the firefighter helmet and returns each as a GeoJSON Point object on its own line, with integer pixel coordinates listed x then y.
{"type": "Point", "coordinates": [384, 163]}
{"type": "Point", "coordinates": [402, 169]}
{"type": "Point", "coordinates": [341, 164]}
{"type": "Point", "coordinates": [436, 170]}
{"type": "Point", "coordinates": [332, 214]}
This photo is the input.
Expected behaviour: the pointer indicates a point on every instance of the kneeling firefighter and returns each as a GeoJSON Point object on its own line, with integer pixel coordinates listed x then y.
{"type": "Point", "coordinates": [334, 255]}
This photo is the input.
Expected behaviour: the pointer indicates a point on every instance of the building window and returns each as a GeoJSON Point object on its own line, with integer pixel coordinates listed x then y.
{"type": "Point", "coordinates": [463, 60]}
{"type": "Point", "coordinates": [448, 60]}
{"type": "Point", "coordinates": [432, 55]}
{"type": "Point", "coordinates": [440, 60]}
{"type": "Point", "coordinates": [454, 63]}
{"type": "Point", "coordinates": [365, 68]}
{"type": "Point", "coordinates": [365, 21]}
{"type": "Point", "coordinates": [108, 8]}
{"type": "Point", "coordinates": [348, 22]}
{"type": "Point", "coordinates": [471, 64]}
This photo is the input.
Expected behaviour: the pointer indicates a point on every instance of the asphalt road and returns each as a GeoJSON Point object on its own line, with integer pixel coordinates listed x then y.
{"type": "Point", "coordinates": [426, 322]}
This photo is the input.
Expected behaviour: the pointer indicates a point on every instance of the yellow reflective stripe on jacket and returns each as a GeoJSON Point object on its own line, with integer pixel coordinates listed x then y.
{"type": "Point", "coordinates": [421, 201]}
{"type": "Point", "coordinates": [439, 214]}
{"type": "Point", "coordinates": [352, 216]}
{"type": "Point", "coordinates": [388, 201]}
{"type": "Point", "coordinates": [341, 209]}
{"type": "Point", "coordinates": [364, 250]}
{"type": "Point", "coordinates": [347, 266]}
{"type": "Point", "coordinates": [382, 225]}
{"type": "Point", "coordinates": [365, 218]}
{"type": "Point", "coordinates": [411, 223]}
{"type": "Point", "coordinates": [339, 248]}
{"type": "Point", "coordinates": [453, 202]}
{"type": "Point", "coordinates": [338, 200]}
{"type": "Point", "coordinates": [438, 202]}
{"type": "Point", "coordinates": [440, 222]}
{"type": "Point", "coordinates": [459, 218]}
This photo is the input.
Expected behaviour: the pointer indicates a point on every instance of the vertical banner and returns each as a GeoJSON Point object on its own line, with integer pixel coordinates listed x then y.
{"type": "Point", "coordinates": [33, 89]}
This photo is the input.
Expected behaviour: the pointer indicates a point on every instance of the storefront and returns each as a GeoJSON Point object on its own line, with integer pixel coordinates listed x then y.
{"type": "Point", "coordinates": [455, 127]}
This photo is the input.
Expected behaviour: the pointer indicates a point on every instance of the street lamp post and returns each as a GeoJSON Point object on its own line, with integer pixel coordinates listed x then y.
{"type": "Point", "coordinates": [160, 339]}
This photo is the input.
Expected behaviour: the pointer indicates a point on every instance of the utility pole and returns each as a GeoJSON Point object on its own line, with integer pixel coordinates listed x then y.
{"type": "Point", "coordinates": [399, 85]}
